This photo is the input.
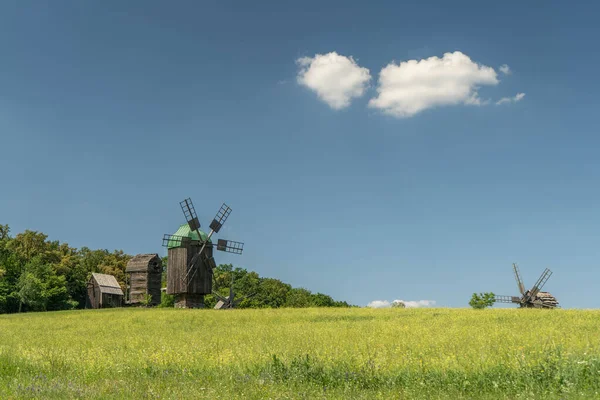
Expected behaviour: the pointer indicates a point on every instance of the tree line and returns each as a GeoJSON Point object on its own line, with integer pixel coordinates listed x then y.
{"type": "Point", "coordinates": [265, 292]}
{"type": "Point", "coordinates": [37, 274]}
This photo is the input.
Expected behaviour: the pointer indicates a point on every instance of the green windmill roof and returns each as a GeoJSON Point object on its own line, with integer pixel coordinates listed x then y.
{"type": "Point", "coordinates": [185, 231]}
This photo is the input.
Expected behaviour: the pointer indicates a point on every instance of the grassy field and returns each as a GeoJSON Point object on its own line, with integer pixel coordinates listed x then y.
{"type": "Point", "coordinates": [301, 353]}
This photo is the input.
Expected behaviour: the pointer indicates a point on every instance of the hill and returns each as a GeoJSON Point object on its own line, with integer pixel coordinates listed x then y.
{"type": "Point", "coordinates": [136, 353]}
{"type": "Point", "coordinates": [37, 274]}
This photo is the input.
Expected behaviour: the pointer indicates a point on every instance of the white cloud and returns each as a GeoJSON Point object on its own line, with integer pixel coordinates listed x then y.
{"type": "Point", "coordinates": [410, 87]}
{"type": "Point", "coordinates": [517, 97]}
{"type": "Point", "coordinates": [335, 78]}
{"type": "Point", "coordinates": [417, 303]}
{"type": "Point", "coordinates": [505, 69]}
{"type": "Point", "coordinates": [379, 304]}
{"type": "Point", "coordinates": [407, 303]}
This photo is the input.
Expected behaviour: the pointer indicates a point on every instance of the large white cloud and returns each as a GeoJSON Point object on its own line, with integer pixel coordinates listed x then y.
{"type": "Point", "coordinates": [412, 86]}
{"type": "Point", "coordinates": [335, 78]}
{"type": "Point", "coordinates": [407, 303]}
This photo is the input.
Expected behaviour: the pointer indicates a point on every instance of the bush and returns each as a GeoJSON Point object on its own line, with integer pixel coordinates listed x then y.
{"type": "Point", "coordinates": [146, 300]}
{"type": "Point", "coordinates": [482, 300]}
{"type": "Point", "coordinates": [167, 300]}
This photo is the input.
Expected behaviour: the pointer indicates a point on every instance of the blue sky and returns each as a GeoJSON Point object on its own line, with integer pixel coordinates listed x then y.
{"type": "Point", "coordinates": [112, 112]}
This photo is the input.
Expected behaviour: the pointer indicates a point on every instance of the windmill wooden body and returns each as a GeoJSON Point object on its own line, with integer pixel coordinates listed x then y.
{"type": "Point", "coordinates": [534, 297]}
{"type": "Point", "coordinates": [190, 262]}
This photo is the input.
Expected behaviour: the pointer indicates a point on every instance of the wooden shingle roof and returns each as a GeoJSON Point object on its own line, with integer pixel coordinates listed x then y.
{"type": "Point", "coordinates": [107, 283]}
{"type": "Point", "coordinates": [142, 262]}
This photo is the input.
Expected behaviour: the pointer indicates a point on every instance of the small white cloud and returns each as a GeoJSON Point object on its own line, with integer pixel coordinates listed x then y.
{"type": "Point", "coordinates": [379, 304]}
{"type": "Point", "coordinates": [410, 87]}
{"type": "Point", "coordinates": [505, 69]}
{"type": "Point", "coordinates": [407, 303]}
{"type": "Point", "coordinates": [517, 97]}
{"type": "Point", "coordinates": [417, 303]}
{"type": "Point", "coordinates": [335, 78]}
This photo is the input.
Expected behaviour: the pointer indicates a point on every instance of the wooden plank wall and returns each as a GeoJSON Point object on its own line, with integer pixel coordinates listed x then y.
{"type": "Point", "coordinates": [178, 260]}
{"type": "Point", "coordinates": [138, 285]}
{"type": "Point", "coordinates": [94, 297]}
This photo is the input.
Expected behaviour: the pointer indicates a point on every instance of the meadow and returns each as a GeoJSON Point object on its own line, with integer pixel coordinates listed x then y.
{"type": "Point", "coordinates": [301, 353]}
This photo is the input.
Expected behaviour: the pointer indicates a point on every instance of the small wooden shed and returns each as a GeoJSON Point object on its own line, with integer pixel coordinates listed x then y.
{"type": "Point", "coordinates": [104, 291]}
{"type": "Point", "coordinates": [145, 277]}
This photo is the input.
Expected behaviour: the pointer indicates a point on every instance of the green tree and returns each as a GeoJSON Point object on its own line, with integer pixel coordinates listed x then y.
{"type": "Point", "coordinates": [299, 298]}
{"type": "Point", "coordinates": [398, 304]}
{"type": "Point", "coordinates": [30, 244]}
{"type": "Point", "coordinates": [4, 232]}
{"type": "Point", "coordinates": [41, 289]}
{"type": "Point", "coordinates": [10, 271]}
{"type": "Point", "coordinates": [482, 300]}
{"type": "Point", "coordinates": [322, 300]}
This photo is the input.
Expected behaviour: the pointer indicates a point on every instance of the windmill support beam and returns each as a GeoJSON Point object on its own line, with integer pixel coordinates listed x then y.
{"type": "Point", "coordinates": [189, 300]}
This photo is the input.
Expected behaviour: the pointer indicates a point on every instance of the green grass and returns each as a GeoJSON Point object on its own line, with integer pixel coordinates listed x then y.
{"type": "Point", "coordinates": [301, 353]}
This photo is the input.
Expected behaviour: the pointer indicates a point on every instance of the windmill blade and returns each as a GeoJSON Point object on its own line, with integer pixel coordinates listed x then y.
{"type": "Point", "coordinates": [230, 246]}
{"type": "Point", "coordinates": [220, 218]}
{"type": "Point", "coordinates": [191, 269]}
{"type": "Point", "coordinates": [176, 240]}
{"type": "Point", "coordinates": [540, 283]}
{"type": "Point", "coordinates": [507, 299]}
{"type": "Point", "coordinates": [238, 301]}
{"type": "Point", "coordinates": [220, 297]}
{"type": "Point", "coordinates": [193, 266]}
{"type": "Point", "coordinates": [190, 214]}
{"type": "Point", "coordinates": [210, 263]}
{"type": "Point", "coordinates": [223, 304]}
{"type": "Point", "coordinates": [519, 280]}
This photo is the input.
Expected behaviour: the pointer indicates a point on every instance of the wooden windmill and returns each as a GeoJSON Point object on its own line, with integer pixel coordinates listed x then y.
{"type": "Point", "coordinates": [534, 297]}
{"type": "Point", "coordinates": [190, 261]}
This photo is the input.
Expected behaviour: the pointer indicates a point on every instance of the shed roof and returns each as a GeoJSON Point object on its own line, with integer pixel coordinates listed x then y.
{"type": "Point", "coordinates": [185, 231]}
{"type": "Point", "coordinates": [142, 262]}
{"type": "Point", "coordinates": [107, 283]}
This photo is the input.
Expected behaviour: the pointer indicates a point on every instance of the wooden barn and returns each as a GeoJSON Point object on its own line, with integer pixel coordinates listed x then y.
{"type": "Point", "coordinates": [144, 273]}
{"type": "Point", "coordinates": [103, 291]}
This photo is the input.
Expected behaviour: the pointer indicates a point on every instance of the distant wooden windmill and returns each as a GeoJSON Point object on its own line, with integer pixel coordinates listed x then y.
{"type": "Point", "coordinates": [534, 297]}
{"type": "Point", "coordinates": [190, 261]}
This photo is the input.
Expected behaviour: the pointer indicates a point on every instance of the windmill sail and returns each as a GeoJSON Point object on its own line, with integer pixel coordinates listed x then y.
{"type": "Point", "coordinates": [220, 218]}
{"type": "Point", "coordinates": [519, 280]}
{"type": "Point", "coordinates": [190, 214]}
{"type": "Point", "coordinates": [507, 299]}
{"type": "Point", "coordinates": [230, 246]}
{"type": "Point", "coordinates": [540, 283]}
